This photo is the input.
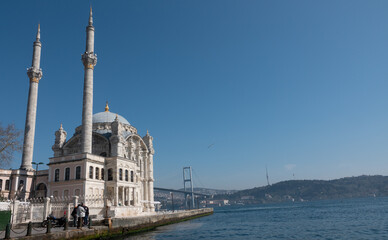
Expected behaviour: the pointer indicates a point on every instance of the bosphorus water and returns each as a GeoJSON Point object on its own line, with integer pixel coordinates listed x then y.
{"type": "Point", "coordinates": [365, 218]}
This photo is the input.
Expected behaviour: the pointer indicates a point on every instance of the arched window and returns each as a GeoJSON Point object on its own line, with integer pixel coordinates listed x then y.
{"type": "Point", "coordinates": [126, 175]}
{"type": "Point", "coordinates": [55, 193]}
{"type": "Point", "coordinates": [78, 173]}
{"type": "Point", "coordinates": [56, 175]}
{"type": "Point", "coordinates": [97, 173]}
{"type": "Point", "coordinates": [103, 154]}
{"type": "Point", "coordinates": [131, 176]}
{"type": "Point", "coordinates": [1, 184]}
{"type": "Point", "coordinates": [102, 174]}
{"type": "Point", "coordinates": [90, 172]}
{"type": "Point", "coordinates": [66, 193]}
{"type": "Point", "coordinates": [67, 174]}
{"type": "Point", "coordinates": [7, 185]}
{"type": "Point", "coordinates": [77, 192]}
{"type": "Point", "coordinates": [110, 174]}
{"type": "Point", "coordinates": [120, 174]}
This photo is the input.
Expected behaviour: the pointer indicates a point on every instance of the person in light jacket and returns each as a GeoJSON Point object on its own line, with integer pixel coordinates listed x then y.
{"type": "Point", "coordinates": [81, 214]}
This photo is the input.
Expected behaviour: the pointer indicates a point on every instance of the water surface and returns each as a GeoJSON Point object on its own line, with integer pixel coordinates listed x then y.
{"type": "Point", "coordinates": [365, 218]}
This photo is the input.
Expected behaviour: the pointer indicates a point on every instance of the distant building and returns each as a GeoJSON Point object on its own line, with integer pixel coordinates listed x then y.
{"type": "Point", "coordinates": [247, 197]}
{"type": "Point", "coordinates": [105, 156]}
{"type": "Point", "coordinates": [216, 203]}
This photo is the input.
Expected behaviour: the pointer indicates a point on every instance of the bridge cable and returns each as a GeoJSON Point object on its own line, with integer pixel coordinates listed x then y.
{"type": "Point", "coordinates": [197, 177]}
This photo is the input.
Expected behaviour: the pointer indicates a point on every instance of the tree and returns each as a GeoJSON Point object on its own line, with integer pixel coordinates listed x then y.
{"type": "Point", "coordinates": [9, 143]}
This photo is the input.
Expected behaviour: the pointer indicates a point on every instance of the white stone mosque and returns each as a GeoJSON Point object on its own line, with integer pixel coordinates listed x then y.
{"type": "Point", "coordinates": [104, 157]}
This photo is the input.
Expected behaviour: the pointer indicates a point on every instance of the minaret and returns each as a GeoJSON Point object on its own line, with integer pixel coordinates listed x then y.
{"type": "Point", "coordinates": [35, 74]}
{"type": "Point", "coordinates": [89, 60]}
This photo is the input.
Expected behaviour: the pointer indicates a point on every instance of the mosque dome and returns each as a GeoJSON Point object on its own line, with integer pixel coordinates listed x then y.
{"type": "Point", "coordinates": [103, 117]}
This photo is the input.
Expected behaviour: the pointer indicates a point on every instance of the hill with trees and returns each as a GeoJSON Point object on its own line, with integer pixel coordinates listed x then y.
{"type": "Point", "coordinates": [310, 190]}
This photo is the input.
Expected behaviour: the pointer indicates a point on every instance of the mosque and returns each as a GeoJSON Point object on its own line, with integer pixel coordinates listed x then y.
{"type": "Point", "coordinates": [105, 156]}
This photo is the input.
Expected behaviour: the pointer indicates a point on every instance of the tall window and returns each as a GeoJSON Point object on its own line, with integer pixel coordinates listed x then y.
{"type": "Point", "coordinates": [120, 174]}
{"type": "Point", "coordinates": [1, 184]}
{"type": "Point", "coordinates": [78, 173]}
{"type": "Point", "coordinates": [102, 174]}
{"type": "Point", "coordinates": [110, 174]}
{"type": "Point", "coordinates": [97, 173]}
{"type": "Point", "coordinates": [131, 176]}
{"type": "Point", "coordinates": [56, 175]}
{"type": "Point", "coordinates": [126, 175]}
{"type": "Point", "coordinates": [90, 172]}
{"type": "Point", "coordinates": [7, 185]}
{"type": "Point", "coordinates": [67, 174]}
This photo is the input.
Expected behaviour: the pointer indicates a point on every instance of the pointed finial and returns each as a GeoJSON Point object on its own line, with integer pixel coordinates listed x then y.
{"type": "Point", "coordinates": [106, 107]}
{"type": "Point", "coordinates": [61, 128]}
{"type": "Point", "coordinates": [38, 33]}
{"type": "Point", "coordinates": [90, 16]}
{"type": "Point", "coordinates": [117, 117]}
{"type": "Point", "coordinates": [147, 133]}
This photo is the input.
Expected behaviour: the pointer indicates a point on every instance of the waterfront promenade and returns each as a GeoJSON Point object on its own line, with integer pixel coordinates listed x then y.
{"type": "Point", "coordinates": [118, 226]}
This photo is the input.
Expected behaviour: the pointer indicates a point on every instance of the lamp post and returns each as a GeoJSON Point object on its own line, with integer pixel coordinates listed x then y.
{"type": "Point", "coordinates": [36, 171]}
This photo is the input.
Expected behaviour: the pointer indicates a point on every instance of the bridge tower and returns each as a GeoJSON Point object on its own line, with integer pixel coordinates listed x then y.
{"type": "Point", "coordinates": [188, 178]}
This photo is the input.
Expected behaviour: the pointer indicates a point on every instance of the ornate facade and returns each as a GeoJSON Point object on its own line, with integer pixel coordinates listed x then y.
{"type": "Point", "coordinates": [105, 156]}
{"type": "Point", "coordinates": [120, 167]}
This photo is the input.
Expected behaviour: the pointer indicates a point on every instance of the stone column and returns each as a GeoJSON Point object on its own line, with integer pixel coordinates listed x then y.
{"type": "Point", "coordinates": [145, 182]}
{"type": "Point", "coordinates": [116, 189]}
{"type": "Point", "coordinates": [122, 196]}
{"type": "Point", "coordinates": [35, 74]}
{"type": "Point", "coordinates": [133, 197]}
{"type": "Point", "coordinates": [89, 60]}
{"type": "Point", "coordinates": [47, 207]}
{"type": "Point", "coordinates": [151, 181]}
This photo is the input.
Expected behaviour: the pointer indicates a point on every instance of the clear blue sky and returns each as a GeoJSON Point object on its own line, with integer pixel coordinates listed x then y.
{"type": "Point", "coordinates": [299, 86]}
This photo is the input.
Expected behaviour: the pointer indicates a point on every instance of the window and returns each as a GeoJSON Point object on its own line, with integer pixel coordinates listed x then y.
{"type": "Point", "coordinates": [77, 191]}
{"type": "Point", "coordinates": [1, 184]}
{"type": "Point", "coordinates": [7, 185]}
{"type": "Point", "coordinates": [66, 193]}
{"type": "Point", "coordinates": [67, 174]}
{"type": "Point", "coordinates": [131, 176]}
{"type": "Point", "coordinates": [21, 184]}
{"type": "Point", "coordinates": [55, 194]}
{"type": "Point", "coordinates": [90, 172]}
{"type": "Point", "coordinates": [110, 174]}
{"type": "Point", "coordinates": [78, 173]}
{"type": "Point", "coordinates": [97, 173]}
{"type": "Point", "coordinates": [56, 175]}
{"type": "Point", "coordinates": [102, 174]}
{"type": "Point", "coordinates": [120, 174]}
{"type": "Point", "coordinates": [126, 175]}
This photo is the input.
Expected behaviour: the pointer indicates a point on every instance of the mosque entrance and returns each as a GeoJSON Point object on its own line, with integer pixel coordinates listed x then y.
{"type": "Point", "coordinates": [41, 190]}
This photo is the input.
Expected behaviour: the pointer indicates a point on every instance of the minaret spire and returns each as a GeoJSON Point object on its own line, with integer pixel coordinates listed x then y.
{"type": "Point", "coordinates": [89, 60]}
{"type": "Point", "coordinates": [91, 17]}
{"type": "Point", "coordinates": [35, 74]}
{"type": "Point", "coordinates": [38, 34]}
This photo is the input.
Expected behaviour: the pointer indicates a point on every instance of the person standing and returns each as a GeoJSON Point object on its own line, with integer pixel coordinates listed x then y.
{"type": "Point", "coordinates": [81, 215]}
{"type": "Point", "coordinates": [86, 219]}
{"type": "Point", "coordinates": [75, 216]}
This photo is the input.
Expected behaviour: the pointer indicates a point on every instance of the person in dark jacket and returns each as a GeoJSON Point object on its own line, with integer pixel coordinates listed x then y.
{"type": "Point", "coordinates": [75, 216]}
{"type": "Point", "coordinates": [86, 219]}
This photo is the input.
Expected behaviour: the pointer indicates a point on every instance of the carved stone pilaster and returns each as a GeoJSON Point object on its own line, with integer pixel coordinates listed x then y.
{"type": "Point", "coordinates": [89, 59]}
{"type": "Point", "coordinates": [34, 74]}
{"type": "Point", "coordinates": [148, 139]}
{"type": "Point", "coordinates": [60, 139]}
